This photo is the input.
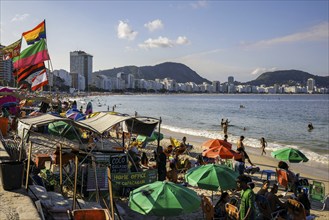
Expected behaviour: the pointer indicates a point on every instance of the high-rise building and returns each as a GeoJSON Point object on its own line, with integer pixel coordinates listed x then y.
{"type": "Point", "coordinates": [310, 85]}
{"type": "Point", "coordinates": [82, 63]}
{"type": "Point", "coordinates": [5, 69]}
{"type": "Point", "coordinates": [230, 80]}
{"type": "Point", "coordinates": [216, 86]}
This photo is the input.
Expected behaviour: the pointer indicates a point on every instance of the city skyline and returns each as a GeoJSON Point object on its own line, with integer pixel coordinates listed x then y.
{"type": "Point", "coordinates": [216, 39]}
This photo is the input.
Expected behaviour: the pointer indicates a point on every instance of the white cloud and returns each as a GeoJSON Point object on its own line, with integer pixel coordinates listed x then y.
{"type": "Point", "coordinates": [182, 40]}
{"type": "Point", "coordinates": [260, 70]}
{"type": "Point", "coordinates": [124, 31]}
{"type": "Point", "coordinates": [163, 42]}
{"type": "Point", "coordinates": [154, 25]}
{"type": "Point", "coordinates": [315, 33]}
{"type": "Point", "coordinates": [19, 17]}
{"type": "Point", "coordinates": [199, 4]}
{"type": "Point", "coordinates": [155, 43]}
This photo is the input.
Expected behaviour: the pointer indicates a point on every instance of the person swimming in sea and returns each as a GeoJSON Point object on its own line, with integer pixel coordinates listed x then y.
{"type": "Point", "coordinates": [310, 126]}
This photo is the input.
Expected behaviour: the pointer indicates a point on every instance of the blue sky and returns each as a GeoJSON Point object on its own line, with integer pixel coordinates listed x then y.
{"type": "Point", "coordinates": [216, 39]}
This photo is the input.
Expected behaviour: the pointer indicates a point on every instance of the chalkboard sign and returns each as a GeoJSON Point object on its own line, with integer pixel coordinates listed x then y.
{"type": "Point", "coordinates": [101, 179]}
{"type": "Point", "coordinates": [119, 163]}
{"type": "Point", "coordinates": [134, 179]}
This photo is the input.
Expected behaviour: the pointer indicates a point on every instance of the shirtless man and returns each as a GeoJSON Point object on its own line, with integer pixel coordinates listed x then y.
{"type": "Point", "coordinates": [240, 145]}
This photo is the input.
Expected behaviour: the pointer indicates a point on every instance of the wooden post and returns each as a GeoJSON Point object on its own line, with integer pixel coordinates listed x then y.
{"type": "Point", "coordinates": [75, 183]}
{"type": "Point", "coordinates": [22, 146]}
{"type": "Point", "coordinates": [60, 168]}
{"type": "Point", "coordinates": [159, 133]}
{"type": "Point", "coordinates": [109, 180]}
{"type": "Point", "coordinates": [96, 179]}
{"type": "Point", "coordinates": [28, 166]}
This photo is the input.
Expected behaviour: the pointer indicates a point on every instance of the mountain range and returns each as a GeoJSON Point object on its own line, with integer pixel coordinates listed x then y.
{"type": "Point", "coordinates": [182, 73]}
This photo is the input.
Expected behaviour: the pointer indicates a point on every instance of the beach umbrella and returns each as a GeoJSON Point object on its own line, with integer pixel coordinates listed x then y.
{"type": "Point", "coordinates": [289, 154]}
{"type": "Point", "coordinates": [163, 198]}
{"type": "Point", "coordinates": [212, 177]}
{"type": "Point", "coordinates": [216, 142]}
{"type": "Point", "coordinates": [220, 151]}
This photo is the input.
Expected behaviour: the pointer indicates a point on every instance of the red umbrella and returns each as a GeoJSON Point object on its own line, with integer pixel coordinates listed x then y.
{"type": "Point", "coordinates": [220, 151]}
{"type": "Point", "coordinates": [216, 142]}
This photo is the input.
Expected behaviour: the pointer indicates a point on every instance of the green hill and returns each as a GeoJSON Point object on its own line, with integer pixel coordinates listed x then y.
{"type": "Point", "coordinates": [177, 71]}
{"type": "Point", "coordinates": [289, 77]}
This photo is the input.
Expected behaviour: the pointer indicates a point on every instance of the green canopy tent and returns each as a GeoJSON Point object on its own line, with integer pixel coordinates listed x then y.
{"type": "Point", "coordinates": [61, 128]}
{"type": "Point", "coordinates": [153, 137]}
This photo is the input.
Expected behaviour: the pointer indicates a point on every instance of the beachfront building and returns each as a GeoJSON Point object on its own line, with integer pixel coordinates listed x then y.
{"type": "Point", "coordinates": [230, 80]}
{"type": "Point", "coordinates": [216, 86]}
{"type": "Point", "coordinates": [82, 63]}
{"type": "Point", "coordinates": [64, 75]}
{"type": "Point", "coordinates": [5, 69]}
{"type": "Point", "coordinates": [78, 81]}
{"type": "Point", "coordinates": [231, 88]}
{"type": "Point", "coordinates": [310, 85]}
{"type": "Point", "coordinates": [170, 84]}
{"type": "Point", "coordinates": [128, 78]}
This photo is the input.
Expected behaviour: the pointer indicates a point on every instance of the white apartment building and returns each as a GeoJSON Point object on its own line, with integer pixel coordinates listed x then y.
{"type": "Point", "coordinates": [63, 74]}
{"type": "Point", "coordinates": [310, 85]}
{"type": "Point", "coordinates": [82, 63]}
{"type": "Point", "coordinates": [5, 69]}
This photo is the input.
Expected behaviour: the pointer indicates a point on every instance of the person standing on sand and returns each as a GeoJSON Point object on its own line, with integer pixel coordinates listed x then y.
{"type": "Point", "coordinates": [264, 144]}
{"type": "Point", "coordinates": [247, 204]}
{"type": "Point", "coordinates": [161, 164]}
{"type": "Point", "coordinates": [240, 146]}
{"type": "Point", "coordinates": [225, 138]}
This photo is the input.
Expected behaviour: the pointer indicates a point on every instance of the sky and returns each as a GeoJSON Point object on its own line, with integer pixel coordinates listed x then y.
{"type": "Point", "coordinates": [216, 39]}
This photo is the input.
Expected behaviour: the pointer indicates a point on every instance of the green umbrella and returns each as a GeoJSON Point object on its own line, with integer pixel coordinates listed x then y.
{"type": "Point", "coordinates": [289, 154]}
{"type": "Point", "coordinates": [212, 177]}
{"type": "Point", "coordinates": [153, 137]}
{"type": "Point", "coordinates": [163, 198]}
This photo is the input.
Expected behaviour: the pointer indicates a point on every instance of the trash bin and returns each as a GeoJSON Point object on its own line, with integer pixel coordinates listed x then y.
{"type": "Point", "coordinates": [11, 173]}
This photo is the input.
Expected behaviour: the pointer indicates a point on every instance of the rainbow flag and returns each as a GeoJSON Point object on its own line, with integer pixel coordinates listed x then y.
{"type": "Point", "coordinates": [32, 55]}
{"type": "Point", "coordinates": [35, 34]}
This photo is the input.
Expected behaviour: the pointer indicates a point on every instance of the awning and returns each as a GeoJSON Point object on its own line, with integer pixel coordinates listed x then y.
{"type": "Point", "coordinates": [103, 121]}
{"type": "Point", "coordinates": [43, 120]}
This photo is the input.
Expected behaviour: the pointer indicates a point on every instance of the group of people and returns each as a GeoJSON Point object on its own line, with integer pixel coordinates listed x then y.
{"type": "Point", "coordinates": [258, 205]}
{"type": "Point", "coordinates": [140, 161]}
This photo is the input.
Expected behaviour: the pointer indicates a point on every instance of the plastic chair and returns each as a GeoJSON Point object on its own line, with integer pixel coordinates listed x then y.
{"type": "Point", "coordinates": [229, 164]}
{"type": "Point", "coordinates": [207, 208]}
{"type": "Point", "coordinates": [232, 211]}
{"type": "Point", "coordinates": [282, 177]}
{"type": "Point", "coordinates": [268, 174]}
{"type": "Point", "coordinates": [317, 193]}
{"type": "Point", "coordinates": [295, 210]}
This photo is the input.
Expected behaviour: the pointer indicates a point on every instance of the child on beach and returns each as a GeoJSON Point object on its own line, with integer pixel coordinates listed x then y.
{"type": "Point", "coordinates": [264, 144]}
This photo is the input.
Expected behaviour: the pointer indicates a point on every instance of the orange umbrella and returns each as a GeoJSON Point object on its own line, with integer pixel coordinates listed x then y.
{"type": "Point", "coordinates": [220, 151]}
{"type": "Point", "coordinates": [215, 143]}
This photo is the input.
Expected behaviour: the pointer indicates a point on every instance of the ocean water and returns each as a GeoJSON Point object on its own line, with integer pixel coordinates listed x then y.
{"type": "Point", "coordinates": [281, 119]}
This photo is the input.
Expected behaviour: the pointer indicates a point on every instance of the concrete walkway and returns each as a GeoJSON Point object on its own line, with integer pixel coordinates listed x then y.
{"type": "Point", "coordinates": [15, 204]}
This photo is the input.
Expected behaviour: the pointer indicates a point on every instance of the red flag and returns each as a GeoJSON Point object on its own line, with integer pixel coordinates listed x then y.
{"type": "Point", "coordinates": [39, 80]}
{"type": "Point", "coordinates": [23, 73]}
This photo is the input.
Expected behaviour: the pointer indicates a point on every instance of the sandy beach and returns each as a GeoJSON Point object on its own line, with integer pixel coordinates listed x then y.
{"type": "Point", "coordinates": [311, 171]}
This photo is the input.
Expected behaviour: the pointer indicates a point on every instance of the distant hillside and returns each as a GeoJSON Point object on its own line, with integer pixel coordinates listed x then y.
{"type": "Point", "coordinates": [289, 77]}
{"type": "Point", "coordinates": [177, 71]}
